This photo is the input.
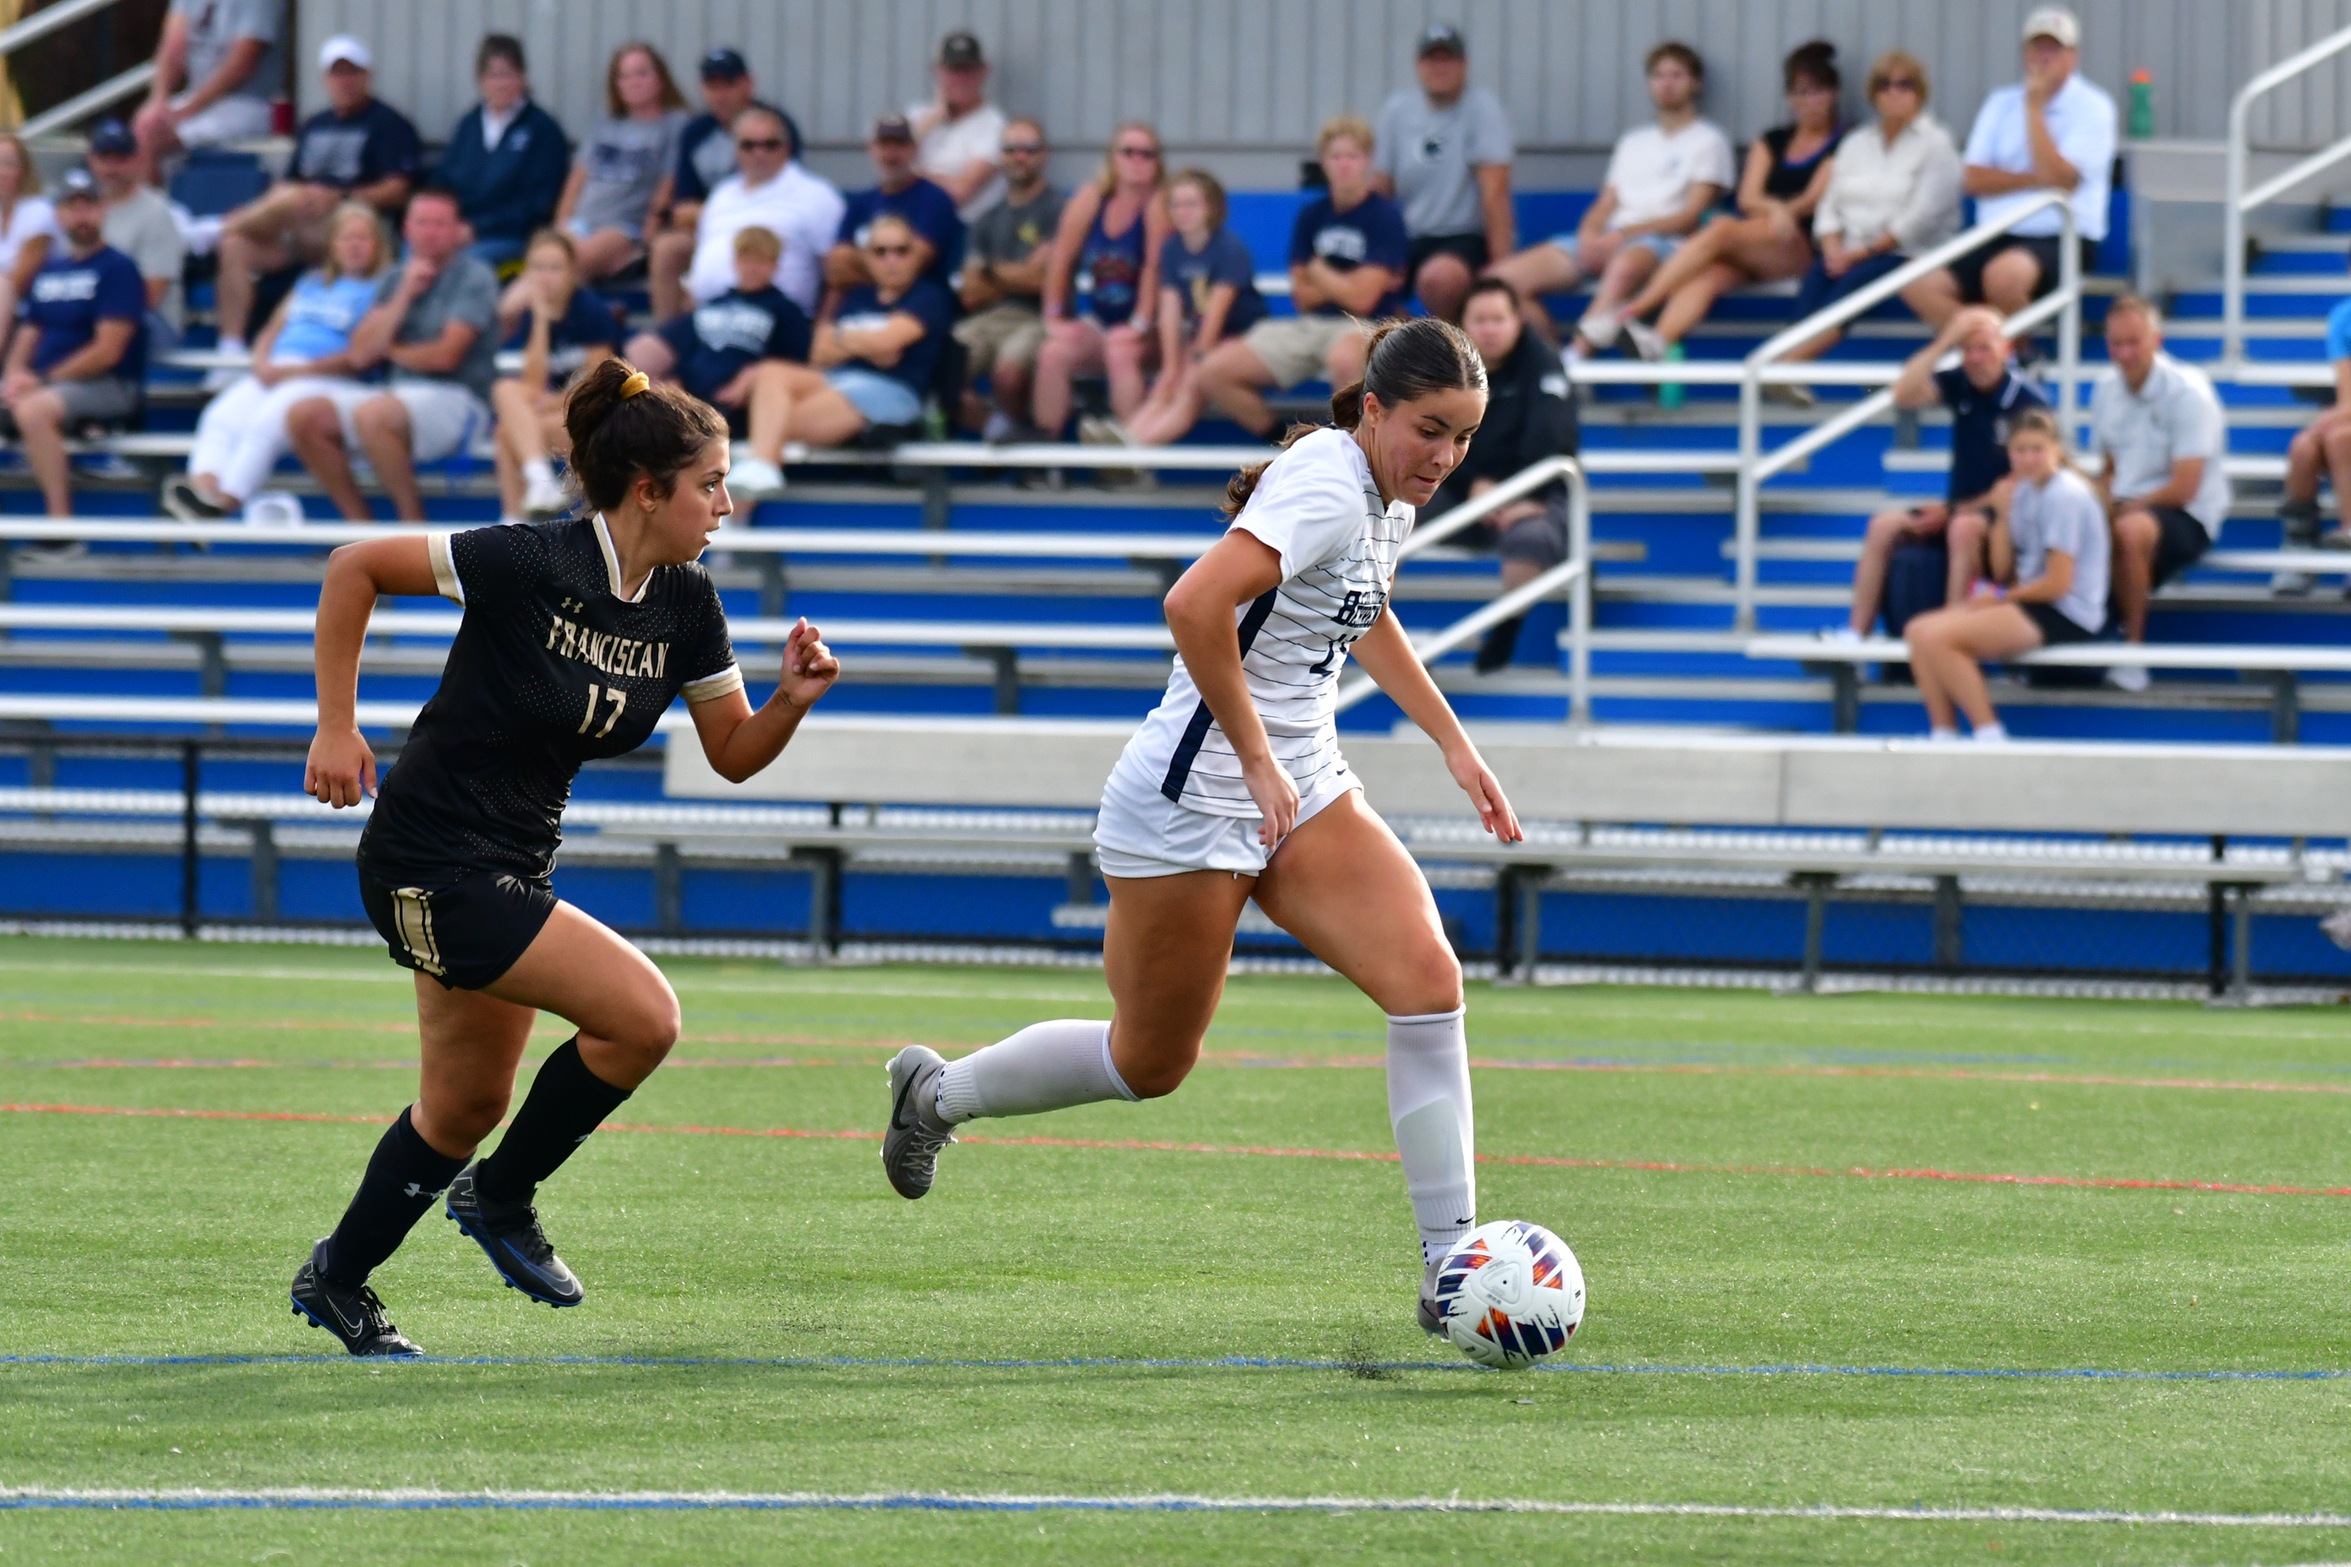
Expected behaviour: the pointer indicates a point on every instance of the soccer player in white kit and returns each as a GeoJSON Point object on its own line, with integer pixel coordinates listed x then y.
{"type": "Point", "coordinates": [1234, 789]}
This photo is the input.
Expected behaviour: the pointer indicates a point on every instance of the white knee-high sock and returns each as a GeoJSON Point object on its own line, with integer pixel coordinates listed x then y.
{"type": "Point", "coordinates": [1428, 1103]}
{"type": "Point", "coordinates": [1046, 1066]}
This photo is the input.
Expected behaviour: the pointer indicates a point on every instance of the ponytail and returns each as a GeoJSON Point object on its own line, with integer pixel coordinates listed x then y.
{"type": "Point", "coordinates": [1405, 360]}
{"type": "Point", "coordinates": [620, 432]}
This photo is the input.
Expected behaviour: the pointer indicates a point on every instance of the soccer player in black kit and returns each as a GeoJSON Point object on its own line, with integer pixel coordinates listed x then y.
{"type": "Point", "coordinates": [577, 635]}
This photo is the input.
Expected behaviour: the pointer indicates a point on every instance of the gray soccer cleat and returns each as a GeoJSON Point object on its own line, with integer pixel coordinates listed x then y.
{"type": "Point", "coordinates": [910, 1147]}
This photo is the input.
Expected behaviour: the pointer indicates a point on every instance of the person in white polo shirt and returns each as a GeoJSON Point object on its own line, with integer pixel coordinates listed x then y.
{"type": "Point", "coordinates": [770, 190]}
{"type": "Point", "coordinates": [2158, 427]}
{"type": "Point", "coordinates": [2052, 131]}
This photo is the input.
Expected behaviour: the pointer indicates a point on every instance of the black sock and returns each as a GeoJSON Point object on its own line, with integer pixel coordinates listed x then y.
{"type": "Point", "coordinates": [403, 1177]}
{"type": "Point", "coordinates": [566, 1103]}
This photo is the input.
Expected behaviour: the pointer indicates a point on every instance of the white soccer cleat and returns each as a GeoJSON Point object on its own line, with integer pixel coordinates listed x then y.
{"type": "Point", "coordinates": [754, 479]}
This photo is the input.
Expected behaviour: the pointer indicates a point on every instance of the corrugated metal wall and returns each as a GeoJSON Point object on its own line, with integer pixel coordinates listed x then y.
{"type": "Point", "coordinates": [1256, 76]}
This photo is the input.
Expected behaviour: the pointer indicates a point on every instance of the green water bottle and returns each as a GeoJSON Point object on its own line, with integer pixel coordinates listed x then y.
{"type": "Point", "coordinates": [1670, 393]}
{"type": "Point", "coordinates": [2142, 104]}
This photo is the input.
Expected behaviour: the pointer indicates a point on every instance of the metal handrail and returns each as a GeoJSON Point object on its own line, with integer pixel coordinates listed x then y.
{"type": "Point", "coordinates": [44, 22]}
{"type": "Point", "coordinates": [112, 90]}
{"type": "Point", "coordinates": [2236, 200]}
{"type": "Point", "coordinates": [1758, 368]}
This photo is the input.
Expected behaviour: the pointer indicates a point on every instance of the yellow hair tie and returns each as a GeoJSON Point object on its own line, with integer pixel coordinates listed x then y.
{"type": "Point", "coordinates": [638, 381]}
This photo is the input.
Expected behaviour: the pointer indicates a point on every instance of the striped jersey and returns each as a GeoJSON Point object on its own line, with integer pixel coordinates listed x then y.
{"type": "Point", "coordinates": [1318, 507]}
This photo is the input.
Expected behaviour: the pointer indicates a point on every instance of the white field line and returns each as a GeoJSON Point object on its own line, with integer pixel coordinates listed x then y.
{"type": "Point", "coordinates": [399, 1498]}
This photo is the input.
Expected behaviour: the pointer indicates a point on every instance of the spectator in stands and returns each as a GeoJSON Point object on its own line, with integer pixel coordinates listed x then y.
{"type": "Point", "coordinates": [607, 204]}
{"type": "Point", "coordinates": [506, 159]}
{"type": "Point", "coordinates": [28, 224]}
{"type": "Point", "coordinates": [770, 191]}
{"type": "Point", "coordinates": [570, 330]}
{"type": "Point", "coordinates": [959, 134]}
{"type": "Point", "coordinates": [1770, 238]}
{"type": "Point", "coordinates": [2046, 586]}
{"type": "Point", "coordinates": [303, 351]}
{"type": "Point", "coordinates": [1003, 286]}
{"type": "Point", "coordinates": [79, 356]}
{"type": "Point", "coordinates": [2322, 449]}
{"type": "Point", "coordinates": [705, 157]}
{"type": "Point", "coordinates": [1661, 179]}
{"type": "Point", "coordinates": [2158, 426]}
{"type": "Point", "coordinates": [1111, 232]}
{"type": "Point", "coordinates": [714, 350]}
{"type": "Point", "coordinates": [2055, 131]}
{"type": "Point", "coordinates": [1444, 158]}
{"type": "Point", "coordinates": [355, 149]}
{"type": "Point", "coordinates": [1984, 395]}
{"type": "Point", "coordinates": [140, 225]}
{"type": "Point", "coordinates": [1530, 415]}
{"type": "Point", "coordinates": [432, 324]}
{"type": "Point", "coordinates": [1348, 251]}
{"type": "Point", "coordinates": [929, 210]}
{"type": "Point", "coordinates": [872, 364]}
{"type": "Point", "coordinates": [1207, 296]}
{"type": "Point", "coordinates": [1894, 191]}
{"type": "Point", "coordinates": [217, 68]}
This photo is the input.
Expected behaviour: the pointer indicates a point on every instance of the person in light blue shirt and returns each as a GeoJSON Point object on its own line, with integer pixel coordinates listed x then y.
{"type": "Point", "coordinates": [2323, 448]}
{"type": "Point", "coordinates": [302, 352]}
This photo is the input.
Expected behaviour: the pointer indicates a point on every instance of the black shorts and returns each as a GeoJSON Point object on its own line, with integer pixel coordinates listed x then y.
{"type": "Point", "coordinates": [2057, 627]}
{"type": "Point", "coordinates": [1471, 248]}
{"type": "Point", "coordinates": [465, 933]}
{"type": "Point", "coordinates": [1540, 539]}
{"type": "Point", "coordinates": [1968, 270]}
{"type": "Point", "coordinates": [2180, 542]}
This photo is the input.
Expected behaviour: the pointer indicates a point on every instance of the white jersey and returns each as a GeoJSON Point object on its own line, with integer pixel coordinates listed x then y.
{"type": "Point", "coordinates": [1319, 507]}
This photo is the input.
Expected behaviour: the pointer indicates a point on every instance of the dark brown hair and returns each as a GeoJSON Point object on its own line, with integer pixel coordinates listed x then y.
{"type": "Point", "coordinates": [1405, 360]}
{"type": "Point", "coordinates": [499, 46]}
{"type": "Point", "coordinates": [1211, 191]}
{"type": "Point", "coordinates": [1674, 49]}
{"type": "Point", "coordinates": [1815, 62]}
{"type": "Point", "coordinates": [671, 98]}
{"type": "Point", "coordinates": [616, 439]}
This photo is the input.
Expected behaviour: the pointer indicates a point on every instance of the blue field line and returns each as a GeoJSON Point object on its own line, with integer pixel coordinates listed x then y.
{"type": "Point", "coordinates": [1203, 1363]}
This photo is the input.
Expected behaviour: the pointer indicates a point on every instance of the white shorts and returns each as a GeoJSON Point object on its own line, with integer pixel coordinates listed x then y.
{"type": "Point", "coordinates": [443, 417]}
{"type": "Point", "coordinates": [1141, 832]}
{"type": "Point", "coordinates": [234, 118]}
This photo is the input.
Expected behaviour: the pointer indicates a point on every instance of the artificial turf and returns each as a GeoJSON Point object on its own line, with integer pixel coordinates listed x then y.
{"type": "Point", "coordinates": [1765, 1192]}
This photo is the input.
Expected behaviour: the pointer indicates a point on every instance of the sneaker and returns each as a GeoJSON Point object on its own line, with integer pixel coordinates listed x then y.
{"type": "Point", "coordinates": [544, 499]}
{"type": "Point", "coordinates": [1094, 430]}
{"type": "Point", "coordinates": [2335, 539]}
{"type": "Point", "coordinates": [274, 509]}
{"type": "Point", "coordinates": [1000, 428]}
{"type": "Point", "coordinates": [182, 499]}
{"type": "Point", "coordinates": [910, 1147]}
{"type": "Point", "coordinates": [2129, 677]}
{"type": "Point", "coordinates": [221, 377]}
{"type": "Point", "coordinates": [1432, 1320]}
{"type": "Point", "coordinates": [510, 1236]}
{"type": "Point", "coordinates": [1840, 634]}
{"type": "Point", "coordinates": [1500, 645]}
{"type": "Point", "coordinates": [1599, 328]}
{"type": "Point", "coordinates": [1645, 340]}
{"type": "Point", "coordinates": [354, 1316]}
{"type": "Point", "coordinates": [1788, 394]}
{"type": "Point", "coordinates": [2337, 928]}
{"type": "Point", "coordinates": [755, 480]}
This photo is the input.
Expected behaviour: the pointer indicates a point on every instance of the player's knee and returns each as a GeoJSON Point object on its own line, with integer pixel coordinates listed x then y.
{"type": "Point", "coordinates": [1157, 1078]}
{"type": "Point", "coordinates": [466, 1116]}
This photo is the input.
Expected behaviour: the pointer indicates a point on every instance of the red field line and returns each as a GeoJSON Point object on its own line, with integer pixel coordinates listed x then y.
{"type": "Point", "coordinates": [1143, 1145]}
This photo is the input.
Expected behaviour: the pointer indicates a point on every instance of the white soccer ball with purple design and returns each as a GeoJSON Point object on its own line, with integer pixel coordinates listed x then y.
{"type": "Point", "coordinates": [1510, 1293]}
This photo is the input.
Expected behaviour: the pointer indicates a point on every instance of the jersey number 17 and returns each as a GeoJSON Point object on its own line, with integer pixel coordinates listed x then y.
{"type": "Point", "coordinates": [619, 701]}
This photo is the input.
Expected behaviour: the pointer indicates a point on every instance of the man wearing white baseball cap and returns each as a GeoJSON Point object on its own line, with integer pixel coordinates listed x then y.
{"type": "Point", "coordinates": [2052, 131]}
{"type": "Point", "coordinates": [357, 148]}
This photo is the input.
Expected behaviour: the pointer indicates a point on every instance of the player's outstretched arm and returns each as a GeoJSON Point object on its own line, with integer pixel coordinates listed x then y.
{"type": "Point", "coordinates": [1386, 655]}
{"type": "Point", "coordinates": [342, 769]}
{"type": "Point", "coordinates": [738, 741]}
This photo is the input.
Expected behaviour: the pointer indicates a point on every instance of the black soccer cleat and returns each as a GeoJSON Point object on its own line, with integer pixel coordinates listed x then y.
{"type": "Point", "coordinates": [354, 1316]}
{"type": "Point", "coordinates": [514, 1243]}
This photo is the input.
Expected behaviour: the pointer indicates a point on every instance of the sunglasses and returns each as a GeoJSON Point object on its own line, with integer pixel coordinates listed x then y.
{"type": "Point", "coordinates": [759, 144]}
{"type": "Point", "coordinates": [889, 250]}
{"type": "Point", "coordinates": [1896, 84]}
{"type": "Point", "coordinates": [1032, 148]}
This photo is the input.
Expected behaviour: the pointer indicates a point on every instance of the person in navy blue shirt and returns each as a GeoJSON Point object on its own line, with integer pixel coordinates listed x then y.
{"type": "Point", "coordinates": [506, 159]}
{"type": "Point", "coordinates": [564, 330]}
{"type": "Point", "coordinates": [1207, 295]}
{"type": "Point", "coordinates": [875, 356]}
{"type": "Point", "coordinates": [357, 148]}
{"type": "Point", "coordinates": [1348, 252]}
{"type": "Point", "coordinates": [713, 349]}
{"type": "Point", "coordinates": [938, 228]}
{"type": "Point", "coordinates": [1984, 394]}
{"type": "Point", "coordinates": [80, 351]}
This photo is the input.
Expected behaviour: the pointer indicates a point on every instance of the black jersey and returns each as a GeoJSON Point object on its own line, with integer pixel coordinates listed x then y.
{"type": "Point", "coordinates": [551, 666]}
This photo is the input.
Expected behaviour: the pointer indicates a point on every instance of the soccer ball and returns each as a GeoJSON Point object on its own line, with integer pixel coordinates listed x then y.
{"type": "Point", "coordinates": [1509, 1294]}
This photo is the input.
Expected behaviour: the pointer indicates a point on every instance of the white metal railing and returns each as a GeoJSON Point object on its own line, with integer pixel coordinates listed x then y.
{"type": "Point", "coordinates": [2236, 200]}
{"type": "Point", "coordinates": [113, 90]}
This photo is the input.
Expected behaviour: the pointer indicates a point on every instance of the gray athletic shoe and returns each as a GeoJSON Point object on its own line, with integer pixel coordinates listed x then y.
{"type": "Point", "coordinates": [910, 1147]}
{"type": "Point", "coordinates": [1431, 1321]}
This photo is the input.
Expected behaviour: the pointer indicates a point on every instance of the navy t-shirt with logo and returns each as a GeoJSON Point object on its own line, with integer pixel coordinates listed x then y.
{"type": "Point", "coordinates": [68, 298]}
{"type": "Point", "coordinates": [1370, 232]}
{"type": "Point", "coordinates": [373, 144]}
{"type": "Point", "coordinates": [1195, 274]}
{"type": "Point", "coordinates": [587, 323]}
{"type": "Point", "coordinates": [927, 302]}
{"type": "Point", "coordinates": [1979, 427]}
{"type": "Point", "coordinates": [714, 341]}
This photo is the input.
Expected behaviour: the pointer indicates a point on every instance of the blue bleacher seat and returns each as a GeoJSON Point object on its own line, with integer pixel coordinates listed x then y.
{"type": "Point", "coordinates": [217, 180]}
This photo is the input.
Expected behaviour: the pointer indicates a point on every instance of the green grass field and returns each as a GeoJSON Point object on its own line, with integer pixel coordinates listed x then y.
{"type": "Point", "coordinates": [1752, 1182]}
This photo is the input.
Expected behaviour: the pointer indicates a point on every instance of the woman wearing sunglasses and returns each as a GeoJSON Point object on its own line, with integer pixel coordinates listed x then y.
{"type": "Point", "coordinates": [1108, 250]}
{"type": "Point", "coordinates": [873, 362]}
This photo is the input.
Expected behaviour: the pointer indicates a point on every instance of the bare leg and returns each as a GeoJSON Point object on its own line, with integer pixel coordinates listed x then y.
{"type": "Point", "coordinates": [1947, 653]}
{"type": "Point", "coordinates": [2136, 535]}
{"type": "Point", "coordinates": [1347, 889]}
{"type": "Point", "coordinates": [2338, 460]}
{"type": "Point", "coordinates": [1631, 267]}
{"type": "Point", "coordinates": [1173, 409]}
{"type": "Point", "coordinates": [315, 429]}
{"type": "Point", "coordinates": [2305, 454]}
{"type": "Point", "coordinates": [1347, 355]}
{"type": "Point", "coordinates": [40, 426]}
{"type": "Point", "coordinates": [605, 252]}
{"type": "Point", "coordinates": [625, 1010]}
{"type": "Point", "coordinates": [244, 256]}
{"type": "Point", "coordinates": [385, 435]}
{"type": "Point", "coordinates": [473, 1042]}
{"type": "Point", "coordinates": [1164, 953]}
{"type": "Point", "coordinates": [1885, 531]}
{"type": "Point", "coordinates": [1125, 355]}
{"type": "Point", "coordinates": [1441, 284]}
{"type": "Point", "coordinates": [1685, 265]}
{"type": "Point", "coordinates": [1233, 378]}
{"type": "Point", "coordinates": [1072, 348]}
{"type": "Point", "coordinates": [671, 255]}
{"type": "Point", "coordinates": [1934, 299]}
{"type": "Point", "coordinates": [1965, 539]}
{"type": "Point", "coordinates": [1691, 302]}
{"type": "Point", "coordinates": [517, 440]}
{"type": "Point", "coordinates": [2009, 281]}
{"type": "Point", "coordinates": [1545, 268]}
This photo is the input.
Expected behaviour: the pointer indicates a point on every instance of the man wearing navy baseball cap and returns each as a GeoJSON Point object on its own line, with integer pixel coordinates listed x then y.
{"type": "Point", "coordinates": [706, 155]}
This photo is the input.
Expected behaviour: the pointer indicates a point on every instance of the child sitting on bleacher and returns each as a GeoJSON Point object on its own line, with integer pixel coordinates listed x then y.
{"type": "Point", "coordinates": [1207, 295]}
{"type": "Point", "coordinates": [302, 352]}
{"type": "Point", "coordinates": [569, 330]}
{"type": "Point", "coordinates": [714, 350]}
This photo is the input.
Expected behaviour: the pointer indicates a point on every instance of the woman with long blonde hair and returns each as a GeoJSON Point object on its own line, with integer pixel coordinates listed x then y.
{"type": "Point", "coordinates": [1110, 237]}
